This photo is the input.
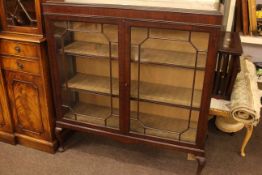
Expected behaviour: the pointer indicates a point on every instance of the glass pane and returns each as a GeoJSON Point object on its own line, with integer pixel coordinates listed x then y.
{"type": "Point", "coordinates": [87, 56]}
{"type": "Point", "coordinates": [21, 13]}
{"type": "Point", "coordinates": [167, 76]}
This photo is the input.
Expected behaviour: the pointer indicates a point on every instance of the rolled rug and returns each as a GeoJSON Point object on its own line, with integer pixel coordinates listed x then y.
{"type": "Point", "coordinates": [245, 98]}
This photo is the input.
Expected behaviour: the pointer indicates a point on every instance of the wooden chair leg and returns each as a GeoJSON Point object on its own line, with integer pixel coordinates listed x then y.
{"type": "Point", "coordinates": [246, 139]}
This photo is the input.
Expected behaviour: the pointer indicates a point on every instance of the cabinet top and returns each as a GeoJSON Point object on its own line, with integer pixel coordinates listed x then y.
{"type": "Point", "coordinates": [22, 37]}
{"type": "Point", "coordinates": [201, 5]}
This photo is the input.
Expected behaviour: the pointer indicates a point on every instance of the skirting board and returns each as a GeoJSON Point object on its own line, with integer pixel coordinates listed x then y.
{"type": "Point", "coordinates": [7, 138]}
{"type": "Point", "coordinates": [41, 145]}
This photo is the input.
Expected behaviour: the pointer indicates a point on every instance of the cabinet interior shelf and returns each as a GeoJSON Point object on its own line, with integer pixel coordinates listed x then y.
{"type": "Point", "coordinates": [147, 55]}
{"type": "Point", "coordinates": [147, 124]}
{"type": "Point", "coordinates": [149, 92]}
{"type": "Point", "coordinates": [90, 49]}
{"type": "Point", "coordinates": [93, 114]}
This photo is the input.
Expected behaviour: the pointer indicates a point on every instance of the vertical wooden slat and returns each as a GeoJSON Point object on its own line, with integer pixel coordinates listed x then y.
{"type": "Point", "coordinates": [228, 75]}
{"type": "Point", "coordinates": [217, 73]}
{"type": "Point", "coordinates": [225, 57]}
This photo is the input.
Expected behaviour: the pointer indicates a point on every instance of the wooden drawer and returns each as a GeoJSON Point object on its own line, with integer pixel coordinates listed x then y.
{"type": "Point", "coordinates": [9, 47]}
{"type": "Point", "coordinates": [21, 65]}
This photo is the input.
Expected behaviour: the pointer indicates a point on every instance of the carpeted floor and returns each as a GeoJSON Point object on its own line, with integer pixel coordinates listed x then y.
{"type": "Point", "coordinates": [89, 155]}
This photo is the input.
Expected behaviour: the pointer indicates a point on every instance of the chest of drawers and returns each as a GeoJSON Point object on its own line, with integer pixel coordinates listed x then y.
{"type": "Point", "coordinates": [27, 106]}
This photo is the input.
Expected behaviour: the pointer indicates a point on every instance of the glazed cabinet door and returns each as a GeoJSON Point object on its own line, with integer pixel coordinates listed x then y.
{"type": "Point", "coordinates": [21, 16]}
{"type": "Point", "coordinates": [28, 104]}
{"type": "Point", "coordinates": [86, 62]}
{"type": "Point", "coordinates": [168, 68]}
{"type": "Point", "coordinates": [5, 117]}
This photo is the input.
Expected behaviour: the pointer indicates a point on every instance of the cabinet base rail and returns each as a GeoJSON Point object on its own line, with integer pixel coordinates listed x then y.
{"type": "Point", "coordinates": [63, 127]}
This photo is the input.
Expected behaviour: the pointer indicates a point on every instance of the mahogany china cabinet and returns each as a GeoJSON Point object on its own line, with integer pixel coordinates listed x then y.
{"type": "Point", "coordinates": [138, 73]}
{"type": "Point", "coordinates": [26, 115]}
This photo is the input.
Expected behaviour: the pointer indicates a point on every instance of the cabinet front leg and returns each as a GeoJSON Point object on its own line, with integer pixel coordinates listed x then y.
{"type": "Point", "coordinates": [201, 164]}
{"type": "Point", "coordinates": [58, 133]}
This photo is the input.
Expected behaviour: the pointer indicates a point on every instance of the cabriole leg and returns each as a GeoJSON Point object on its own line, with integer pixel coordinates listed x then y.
{"type": "Point", "coordinates": [201, 164]}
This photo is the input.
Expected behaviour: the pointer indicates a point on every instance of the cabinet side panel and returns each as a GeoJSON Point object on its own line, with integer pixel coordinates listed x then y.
{"type": "Point", "coordinates": [5, 118]}
{"type": "Point", "coordinates": [2, 120]}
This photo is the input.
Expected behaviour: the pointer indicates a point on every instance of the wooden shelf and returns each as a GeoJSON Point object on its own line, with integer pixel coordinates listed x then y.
{"type": "Point", "coordinates": [152, 125]}
{"type": "Point", "coordinates": [93, 83]}
{"type": "Point", "coordinates": [93, 114]}
{"type": "Point", "coordinates": [148, 55]}
{"type": "Point", "coordinates": [164, 127]}
{"type": "Point", "coordinates": [169, 58]}
{"type": "Point", "coordinates": [149, 92]}
{"type": "Point", "coordinates": [89, 49]}
{"type": "Point", "coordinates": [164, 94]}
{"type": "Point", "coordinates": [251, 39]}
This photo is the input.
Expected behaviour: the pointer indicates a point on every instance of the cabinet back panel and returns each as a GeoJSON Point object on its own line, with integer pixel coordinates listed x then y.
{"type": "Point", "coordinates": [148, 108]}
{"type": "Point", "coordinates": [96, 67]}
{"type": "Point", "coordinates": [178, 77]}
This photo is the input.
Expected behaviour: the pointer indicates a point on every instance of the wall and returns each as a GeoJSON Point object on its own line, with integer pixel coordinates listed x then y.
{"type": "Point", "coordinates": [253, 50]}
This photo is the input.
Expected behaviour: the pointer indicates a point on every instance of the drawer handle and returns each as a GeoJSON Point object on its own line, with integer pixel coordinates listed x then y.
{"type": "Point", "coordinates": [20, 65]}
{"type": "Point", "coordinates": [17, 49]}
